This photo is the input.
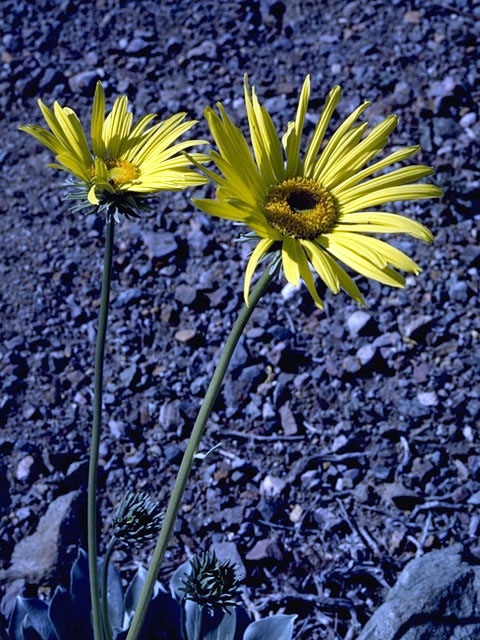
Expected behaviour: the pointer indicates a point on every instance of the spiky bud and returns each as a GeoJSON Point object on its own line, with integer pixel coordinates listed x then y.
{"type": "Point", "coordinates": [211, 584]}
{"type": "Point", "coordinates": [138, 518]}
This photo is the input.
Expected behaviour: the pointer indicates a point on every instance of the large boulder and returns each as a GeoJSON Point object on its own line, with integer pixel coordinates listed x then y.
{"type": "Point", "coordinates": [435, 597]}
{"type": "Point", "coordinates": [36, 557]}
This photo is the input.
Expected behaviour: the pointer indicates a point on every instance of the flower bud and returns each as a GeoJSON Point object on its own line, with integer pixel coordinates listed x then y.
{"type": "Point", "coordinates": [138, 519]}
{"type": "Point", "coordinates": [211, 584]}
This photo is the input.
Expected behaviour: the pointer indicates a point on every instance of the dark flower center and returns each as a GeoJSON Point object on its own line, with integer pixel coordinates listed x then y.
{"type": "Point", "coordinates": [301, 201]}
{"type": "Point", "coordinates": [301, 208]}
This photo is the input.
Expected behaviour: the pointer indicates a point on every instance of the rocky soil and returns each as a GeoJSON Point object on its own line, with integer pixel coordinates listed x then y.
{"type": "Point", "coordinates": [349, 439]}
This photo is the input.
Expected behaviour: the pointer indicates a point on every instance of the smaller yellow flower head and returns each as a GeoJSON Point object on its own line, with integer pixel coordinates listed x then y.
{"type": "Point", "coordinates": [316, 208]}
{"type": "Point", "coordinates": [122, 160]}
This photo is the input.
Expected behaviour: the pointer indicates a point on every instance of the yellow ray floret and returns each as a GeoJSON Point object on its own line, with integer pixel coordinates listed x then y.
{"type": "Point", "coordinates": [314, 209]}
{"type": "Point", "coordinates": [121, 158]}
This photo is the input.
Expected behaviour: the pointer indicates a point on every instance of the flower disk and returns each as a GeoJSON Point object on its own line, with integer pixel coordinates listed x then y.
{"type": "Point", "coordinates": [317, 206]}
{"type": "Point", "coordinates": [124, 164]}
{"type": "Point", "coordinates": [300, 208]}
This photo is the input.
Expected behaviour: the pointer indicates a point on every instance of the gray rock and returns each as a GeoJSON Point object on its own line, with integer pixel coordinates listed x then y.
{"type": "Point", "coordinates": [265, 549]}
{"type": "Point", "coordinates": [351, 365]}
{"type": "Point", "coordinates": [205, 50]}
{"type": "Point", "coordinates": [36, 557]}
{"type": "Point", "coordinates": [435, 597]}
{"type": "Point", "coordinates": [427, 398]}
{"type": "Point", "coordinates": [160, 245]}
{"type": "Point", "coordinates": [185, 335]}
{"type": "Point", "coordinates": [117, 428]}
{"type": "Point", "coordinates": [339, 442]}
{"type": "Point", "coordinates": [83, 82]}
{"type": "Point", "coordinates": [253, 375]}
{"type": "Point", "coordinates": [288, 420]}
{"type": "Point", "coordinates": [173, 453]}
{"type": "Point", "coordinates": [471, 255]}
{"type": "Point", "coordinates": [138, 47]}
{"type": "Point", "coordinates": [272, 486]}
{"type": "Point", "coordinates": [366, 354]}
{"type": "Point", "coordinates": [468, 119]}
{"type": "Point", "coordinates": [185, 294]}
{"type": "Point", "coordinates": [358, 323]}
{"type": "Point", "coordinates": [50, 79]}
{"type": "Point", "coordinates": [458, 291]}
{"type": "Point", "coordinates": [417, 328]}
{"type": "Point", "coordinates": [25, 468]}
{"type": "Point", "coordinates": [130, 376]}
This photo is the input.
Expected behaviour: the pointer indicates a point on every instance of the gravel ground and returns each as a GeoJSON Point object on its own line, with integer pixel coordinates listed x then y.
{"type": "Point", "coordinates": [349, 440]}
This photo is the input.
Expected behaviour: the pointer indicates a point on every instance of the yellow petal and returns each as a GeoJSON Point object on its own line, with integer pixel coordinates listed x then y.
{"type": "Point", "coordinates": [234, 149]}
{"type": "Point", "coordinates": [290, 260]}
{"type": "Point", "coordinates": [174, 150]}
{"type": "Point", "coordinates": [380, 222]}
{"type": "Point", "coordinates": [114, 125]}
{"type": "Point", "coordinates": [331, 272]}
{"type": "Point", "coordinates": [287, 138]}
{"type": "Point", "coordinates": [218, 209]}
{"type": "Point", "coordinates": [265, 147]}
{"type": "Point", "coordinates": [263, 246]}
{"type": "Point", "coordinates": [44, 136]}
{"type": "Point", "coordinates": [98, 116]}
{"type": "Point", "coordinates": [234, 182]}
{"type": "Point", "coordinates": [74, 133]}
{"type": "Point", "coordinates": [74, 164]}
{"type": "Point", "coordinates": [375, 141]}
{"type": "Point", "coordinates": [92, 198]}
{"type": "Point", "coordinates": [390, 179]}
{"type": "Point", "coordinates": [141, 125]}
{"type": "Point", "coordinates": [55, 127]}
{"type": "Point", "coordinates": [307, 277]}
{"type": "Point", "coordinates": [210, 174]}
{"type": "Point", "coordinates": [319, 133]}
{"type": "Point", "coordinates": [321, 264]}
{"type": "Point", "coordinates": [293, 159]}
{"type": "Point", "coordinates": [138, 142]}
{"type": "Point", "coordinates": [391, 255]}
{"type": "Point", "coordinates": [344, 145]}
{"type": "Point", "coordinates": [392, 194]}
{"type": "Point", "coordinates": [155, 145]}
{"type": "Point", "coordinates": [360, 263]}
{"type": "Point", "coordinates": [337, 136]}
{"type": "Point", "coordinates": [346, 281]}
{"type": "Point", "coordinates": [101, 170]}
{"type": "Point", "coordinates": [338, 184]}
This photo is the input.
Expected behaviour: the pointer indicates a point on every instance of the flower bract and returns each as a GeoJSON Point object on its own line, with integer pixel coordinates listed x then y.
{"type": "Point", "coordinates": [212, 584]}
{"type": "Point", "coordinates": [138, 518]}
{"type": "Point", "coordinates": [123, 164]}
{"type": "Point", "coordinates": [316, 208]}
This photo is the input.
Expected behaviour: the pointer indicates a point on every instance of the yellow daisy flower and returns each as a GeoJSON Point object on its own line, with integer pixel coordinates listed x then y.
{"type": "Point", "coordinates": [124, 163]}
{"type": "Point", "coordinates": [316, 208]}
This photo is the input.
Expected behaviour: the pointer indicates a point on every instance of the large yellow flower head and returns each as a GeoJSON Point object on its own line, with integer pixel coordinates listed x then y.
{"type": "Point", "coordinates": [315, 208]}
{"type": "Point", "coordinates": [123, 165]}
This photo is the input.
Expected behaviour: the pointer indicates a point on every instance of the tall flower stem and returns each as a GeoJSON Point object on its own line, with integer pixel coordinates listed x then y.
{"type": "Point", "coordinates": [95, 442]}
{"type": "Point", "coordinates": [106, 562]}
{"type": "Point", "coordinates": [191, 450]}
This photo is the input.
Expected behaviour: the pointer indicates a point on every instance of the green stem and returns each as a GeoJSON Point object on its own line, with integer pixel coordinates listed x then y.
{"type": "Point", "coordinates": [106, 561]}
{"type": "Point", "coordinates": [95, 443]}
{"type": "Point", "coordinates": [191, 450]}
